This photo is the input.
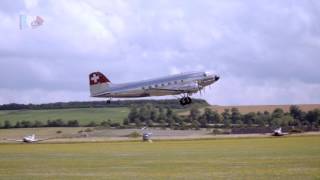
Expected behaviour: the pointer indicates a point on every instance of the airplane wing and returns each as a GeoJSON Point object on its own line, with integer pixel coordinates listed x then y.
{"type": "Point", "coordinates": [37, 140]}
{"type": "Point", "coordinates": [16, 140]}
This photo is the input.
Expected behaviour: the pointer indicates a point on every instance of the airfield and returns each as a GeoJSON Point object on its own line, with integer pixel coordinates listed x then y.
{"type": "Point", "coordinates": [110, 153]}
{"type": "Point", "coordinates": [290, 157]}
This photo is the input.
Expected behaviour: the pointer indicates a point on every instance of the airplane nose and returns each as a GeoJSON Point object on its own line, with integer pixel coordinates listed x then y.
{"type": "Point", "coordinates": [216, 78]}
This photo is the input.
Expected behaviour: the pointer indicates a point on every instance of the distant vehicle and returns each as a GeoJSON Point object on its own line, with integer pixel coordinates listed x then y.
{"type": "Point", "coordinates": [28, 139]}
{"type": "Point", "coordinates": [278, 132]}
{"type": "Point", "coordinates": [184, 84]}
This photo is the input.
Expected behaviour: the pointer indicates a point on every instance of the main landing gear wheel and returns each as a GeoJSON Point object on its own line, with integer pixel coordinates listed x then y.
{"type": "Point", "coordinates": [185, 100]}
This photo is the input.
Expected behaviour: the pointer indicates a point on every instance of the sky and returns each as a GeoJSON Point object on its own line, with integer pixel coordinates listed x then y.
{"type": "Point", "coordinates": [266, 51]}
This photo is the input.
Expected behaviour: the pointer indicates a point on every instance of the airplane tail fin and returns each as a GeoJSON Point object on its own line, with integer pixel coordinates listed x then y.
{"type": "Point", "coordinates": [98, 83]}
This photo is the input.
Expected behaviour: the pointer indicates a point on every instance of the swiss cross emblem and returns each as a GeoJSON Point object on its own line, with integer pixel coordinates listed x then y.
{"type": "Point", "coordinates": [95, 78]}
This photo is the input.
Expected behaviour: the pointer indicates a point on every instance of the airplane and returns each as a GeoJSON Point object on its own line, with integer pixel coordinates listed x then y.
{"type": "Point", "coordinates": [184, 84]}
{"type": "Point", "coordinates": [28, 139]}
{"type": "Point", "coordinates": [278, 132]}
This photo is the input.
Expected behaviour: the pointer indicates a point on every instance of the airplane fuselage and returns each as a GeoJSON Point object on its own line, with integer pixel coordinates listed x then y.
{"type": "Point", "coordinates": [170, 85]}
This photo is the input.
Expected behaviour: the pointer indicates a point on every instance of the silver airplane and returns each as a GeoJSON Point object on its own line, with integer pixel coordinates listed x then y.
{"type": "Point", "coordinates": [184, 84]}
{"type": "Point", "coordinates": [27, 139]}
{"type": "Point", "coordinates": [278, 132]}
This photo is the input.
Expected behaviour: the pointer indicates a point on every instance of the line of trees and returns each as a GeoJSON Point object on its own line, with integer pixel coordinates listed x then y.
{"type": "Point", "coordinates": [149, 115]}
{"type": "Point", "coordinates": [159, 116]}
{"type": "Point", "coordinates": [56, 123]}
{"type": "Point", "coordinates": [172, 103]}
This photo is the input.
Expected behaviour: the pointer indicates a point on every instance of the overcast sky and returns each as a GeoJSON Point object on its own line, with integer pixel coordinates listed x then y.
{"type": "Point", "coordinates": [266, 51]}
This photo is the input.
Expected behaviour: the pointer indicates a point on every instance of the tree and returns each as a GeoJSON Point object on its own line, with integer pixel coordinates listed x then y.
{"type": "Point", "coordinates": [277, 113]}
{"type": "Point", "coordinates": [133, 114]}
{"type": "Point", "coordinates": [154, 114]}
{"type": "Point", "coordinates": [260, 120]}
{"type": "Point", "coordinates": [37, 123]}
{"type": "Point", "coordinates": [287, 120]}
{"type": "Point", "coordinates": [194, 113]}
{"type": "Point", "coordinates": [210, 116]}
{"type": "Point", "coordinates": [26, 124]}
{"type": "Point", "coordinates": [126, 121]}
{"type": "Point", "coordinates": [138, 122]}
{"type": "Point", "coordinates": [235, 115]}
{"type": "Point", "coordinates": [296, 112]}
{"type": "Point", "coordinates": [275, 122]}
{"type": "Point", "coordinates": [162, 115]}
{"type": "Point", "coordinates": [144, 113]}
{"type": "Point", "coordinates": [7, 124]}
{"type": "Point", "coordinates": [249, 118]}
{"type": "Point", "coordinates": [195, 124]}
{"type": "Point", "coordinates": [18, 125]}
{"type": "Point", "coordinates": [203, 122]}
{"type": "Point", "coordinates": [55, 123]}
{"type": "Point", "coordinates": [226, 118]}
{"type": "Point", "coordinates": [313, 117]}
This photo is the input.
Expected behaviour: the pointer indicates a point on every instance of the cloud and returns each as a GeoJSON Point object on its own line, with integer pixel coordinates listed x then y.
{"type": "Point", "coordinates": [265, 51]}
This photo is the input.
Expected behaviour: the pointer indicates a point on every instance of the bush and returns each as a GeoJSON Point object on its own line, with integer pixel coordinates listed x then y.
{"type": "Point", "coordinates": [92, 124]}
{"type": "Point", "coordinates": [294, 131]}
{"type": "Point", "coordinates": [217, 131]}
{"type": "Point", "coordinates": [88, 130]}
{"type": "Point", "coordinates": [73, 123]}
{"type": "Point", "coordinates": [134, 134]}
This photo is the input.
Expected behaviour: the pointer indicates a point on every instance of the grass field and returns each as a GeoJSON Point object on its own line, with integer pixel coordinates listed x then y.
{"type": "Point", "coordinates": [251, 158]}
{"type": "Point", "coordinates": [83, 115]}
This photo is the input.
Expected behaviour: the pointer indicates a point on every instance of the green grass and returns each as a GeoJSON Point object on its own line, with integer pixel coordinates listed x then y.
{"type": "Point", "coordinates": [83, 115]}
{"type": "Point", "coordinates": [252, 158]}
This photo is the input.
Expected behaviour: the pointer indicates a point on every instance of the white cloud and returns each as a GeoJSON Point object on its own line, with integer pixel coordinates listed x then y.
{"type": "Point", "coordinates": [264, 51]}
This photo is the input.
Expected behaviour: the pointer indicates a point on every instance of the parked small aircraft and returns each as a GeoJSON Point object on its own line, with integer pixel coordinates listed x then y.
{"type": "Point", "coordinates": [28, 139]}
{"type": "Point", "coordinates": [278, 132]}
{"type": "Point", "coordinates": [184, 84]}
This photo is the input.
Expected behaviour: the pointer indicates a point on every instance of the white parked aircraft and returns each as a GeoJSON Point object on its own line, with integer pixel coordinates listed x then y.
{"type": "Point", "coordinates": [28, 139]}
{"type": "Point", "coordinates": [184, 84]}
{"type": "Point", "coordinates": [278, 132]}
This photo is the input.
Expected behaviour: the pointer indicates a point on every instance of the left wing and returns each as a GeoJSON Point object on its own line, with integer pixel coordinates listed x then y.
{"type": "Point", "coordinates": [16, 140]}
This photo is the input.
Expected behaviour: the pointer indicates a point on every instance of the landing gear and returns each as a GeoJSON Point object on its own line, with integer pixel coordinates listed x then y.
{"type": "Point", "coordinates": [109, 101]}
{"type": "Point", "coordinates": [185, 100]}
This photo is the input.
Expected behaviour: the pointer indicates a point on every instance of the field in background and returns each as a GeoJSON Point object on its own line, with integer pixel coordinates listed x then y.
{"type": "Point", "coordinates": [253, 158]}
{"type": "Point", "coordinates": [83, 115]}
{"type": "Point", "coordinates": [255, 108]}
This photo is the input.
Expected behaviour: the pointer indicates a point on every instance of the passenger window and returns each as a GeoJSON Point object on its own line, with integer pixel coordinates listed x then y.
{"type": "Point", "coordinates": [175, 82]}
{"type": "Point", "coordinates": [156, 85]}
{"type": "Point", "coordinates": [169, 83]}
{"type": "Point", "coordinates": [162, 84]}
